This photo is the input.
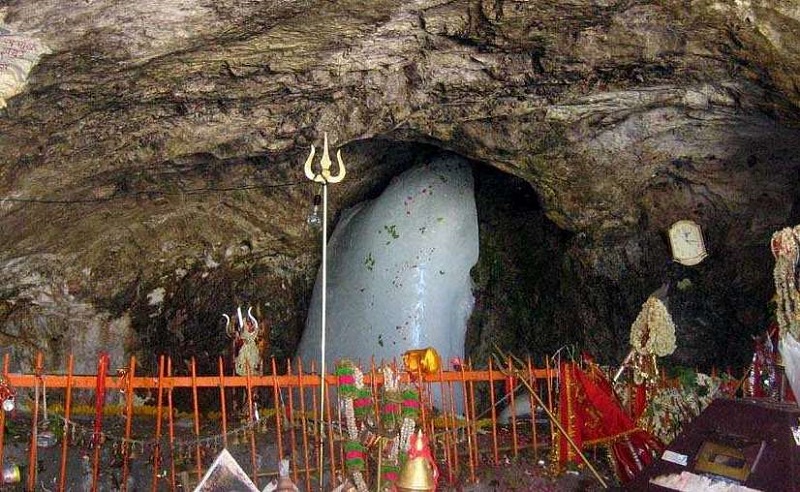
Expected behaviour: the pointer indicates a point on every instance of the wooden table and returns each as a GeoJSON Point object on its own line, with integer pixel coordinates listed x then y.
{"type": "Point", "coordinates": [745, 421]}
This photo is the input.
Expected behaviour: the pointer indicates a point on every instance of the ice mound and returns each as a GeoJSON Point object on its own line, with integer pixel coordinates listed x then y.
{"type": "Point", "coordinates": [399, 270]}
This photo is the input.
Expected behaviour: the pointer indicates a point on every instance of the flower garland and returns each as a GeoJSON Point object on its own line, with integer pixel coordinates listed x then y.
{"type": "Point", "coordinates": [784, 245]}
{"type": "Point", "coordinates": [397, 406]}
{"type": "Point", "coordinates": [351, 388]}
{"type": "Point", "coordinates": [398, 411]}
{"type": "Point", "coordinates": [392, 399]}
{"type": "Point", "coordinates": [390, 418]}
{"type": "Point", "coordinates": [410, 413]}
{"type": "Point", "coordinates": [653, 331]}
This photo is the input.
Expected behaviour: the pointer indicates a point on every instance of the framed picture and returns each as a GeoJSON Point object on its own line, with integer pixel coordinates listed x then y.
{"type": "Point", "coordinates": [722, 460]}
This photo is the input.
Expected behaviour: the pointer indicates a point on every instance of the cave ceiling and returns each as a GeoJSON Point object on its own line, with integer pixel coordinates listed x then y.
{"type": "Point", "coordinates": [158, 146]}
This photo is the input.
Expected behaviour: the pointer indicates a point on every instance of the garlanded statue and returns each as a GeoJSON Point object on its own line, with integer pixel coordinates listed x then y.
{"type": "Point", "coordinates": [785, 247]}
{"type": "Point", "coordinates": [247, 343]}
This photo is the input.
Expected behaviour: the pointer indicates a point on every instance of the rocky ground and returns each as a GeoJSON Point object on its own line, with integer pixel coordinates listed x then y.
{"type": "Point", "coordinates": [526, 472]}
{"type": "Point", "coordinates": [528, 476]}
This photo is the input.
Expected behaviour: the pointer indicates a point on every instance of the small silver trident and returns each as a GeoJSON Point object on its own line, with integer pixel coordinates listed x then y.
{"type": "Point", "coordinates": [324, 176]}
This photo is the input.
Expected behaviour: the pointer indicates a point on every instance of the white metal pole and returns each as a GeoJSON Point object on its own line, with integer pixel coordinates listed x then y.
{"type": "Point", "coordinates": [324, 177]}
{"type": "Point", "coordinates": [322, 344]}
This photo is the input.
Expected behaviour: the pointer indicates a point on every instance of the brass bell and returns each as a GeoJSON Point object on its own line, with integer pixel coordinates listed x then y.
{"type": "Point", "coordinates": [416, 475]}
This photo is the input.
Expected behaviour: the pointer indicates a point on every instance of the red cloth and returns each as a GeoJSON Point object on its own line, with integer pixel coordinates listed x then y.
{"type": "Point", "coordinates": [639, 401]}
{"type": "Point", "coordinates": [591, 414]}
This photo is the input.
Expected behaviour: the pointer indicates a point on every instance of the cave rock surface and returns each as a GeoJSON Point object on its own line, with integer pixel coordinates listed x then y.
{"type": "Point", "coordinates": [150, 159]}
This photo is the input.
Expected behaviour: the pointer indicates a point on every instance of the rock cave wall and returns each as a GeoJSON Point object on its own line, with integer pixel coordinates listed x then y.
{"type": "Point", "coordinates": [159, 149]}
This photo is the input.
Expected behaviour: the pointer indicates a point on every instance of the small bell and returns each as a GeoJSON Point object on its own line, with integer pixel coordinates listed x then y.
{"type": "Point", "coordinates": [416, 475]}
{"type": "Point", "coordinates": [419, 473]}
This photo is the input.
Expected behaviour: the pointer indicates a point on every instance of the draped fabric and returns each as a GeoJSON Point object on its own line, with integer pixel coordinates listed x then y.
{"type": "Point", "coordinates": [763, 378]}
{"type": "Point", "coordinates": [639, 401]}
{"type": "Point", "coordinates": [767, 379]}
{"type": "Point", "coordinates": [790, 351]}
{"type": "Point", "coordinates": [592, 415]}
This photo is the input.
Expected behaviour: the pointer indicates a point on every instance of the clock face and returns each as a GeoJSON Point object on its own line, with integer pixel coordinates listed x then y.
{"type": "Point", "coordinates": [686, 240]}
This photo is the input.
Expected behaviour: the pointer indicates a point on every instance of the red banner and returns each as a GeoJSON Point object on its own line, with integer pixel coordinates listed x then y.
{"type": "Point", "coordinates": [592, 415]}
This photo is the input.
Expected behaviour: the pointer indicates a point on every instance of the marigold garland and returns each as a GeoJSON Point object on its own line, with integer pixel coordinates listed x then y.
{"type": "Point", "coordinates": [653, 331]}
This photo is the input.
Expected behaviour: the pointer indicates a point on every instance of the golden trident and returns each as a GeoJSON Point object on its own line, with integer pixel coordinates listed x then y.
{"type": "Point", "coordinates": [324, 176]}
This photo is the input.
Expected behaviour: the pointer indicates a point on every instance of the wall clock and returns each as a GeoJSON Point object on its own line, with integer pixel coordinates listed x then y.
{"type": "Point", "coordinates": [686, 240]}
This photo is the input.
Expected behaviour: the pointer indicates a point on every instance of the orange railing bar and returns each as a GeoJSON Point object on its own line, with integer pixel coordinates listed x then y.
{"type": "Point", "coordinates": [171, 421]}
{"type": "Point", "coordinates": [157, 451]}
{"type": "Point", "coordinates": [292, 426]}
{"type": "Point", "coordinates": [195, 406]}
{"type": "Point", "coordinates": [511, 388]}
{"type": "Point", "coordinates": [318, 443]}
{"type": "Point", "coordinates": [330, 436]}
{"type": "Point", "coordinates": [126, 445]}
{"type": "Point", "coordinates": [532, 405]}
{"type": "Point", "coordinates": [250, 420]}
{"type": "Point", "coordinates": [447, 432]}
{"type": "Point", "coordinates": [304, 425]}
{"type": "Point", "coordinates": [493, 405]}
{"type": "Point", "coordinates": [223, 406]}
{"type": "Point", "coordinates": [472, 456]}
{"type": "Point", "coordinates": [277, 406]}
{"type": "Point", "coordinates": [32, 452]}
{"type": "Point", "coordinates": [62, 474]}
{"type": "Point", "coordinates": [148, 382]}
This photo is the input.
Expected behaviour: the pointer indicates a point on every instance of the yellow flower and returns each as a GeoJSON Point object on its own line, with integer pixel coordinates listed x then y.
{"type": "Point", "coordinates": [653, 331]}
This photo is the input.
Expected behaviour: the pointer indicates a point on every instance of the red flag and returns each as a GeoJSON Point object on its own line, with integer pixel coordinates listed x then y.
{"type": "Point", "coordinates": [592, 415]}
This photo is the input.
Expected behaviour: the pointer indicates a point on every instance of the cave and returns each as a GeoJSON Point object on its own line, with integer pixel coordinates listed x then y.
{"type": "Point", "coordinates": [534, 291]}
{"type": "Point", "coordinates": [151, 179]}
{"type": "Point", "coordinates": [521, 277]}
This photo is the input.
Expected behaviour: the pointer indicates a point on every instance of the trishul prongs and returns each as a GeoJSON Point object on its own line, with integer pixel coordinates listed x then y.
{"type": "Point", "coordinates": [324, 175]}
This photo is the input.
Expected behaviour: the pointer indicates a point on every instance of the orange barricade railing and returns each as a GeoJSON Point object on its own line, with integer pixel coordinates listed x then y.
{"type": "Point", "coordinates": [124, 430]}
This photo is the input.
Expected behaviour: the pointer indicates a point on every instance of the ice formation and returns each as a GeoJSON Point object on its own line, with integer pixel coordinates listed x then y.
{"type": "Point", "coordinates": [19, 53]}
{"type": "Point", "coordinates": [399, 270]}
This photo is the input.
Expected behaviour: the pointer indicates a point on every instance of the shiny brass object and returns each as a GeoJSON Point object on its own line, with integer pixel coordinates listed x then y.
{"type": "Point", "coordinates": [427, 361]}
{"type": "Point", "coordinates": [416, 475]}
{"type": "Point", "coordinates": [324, 175]}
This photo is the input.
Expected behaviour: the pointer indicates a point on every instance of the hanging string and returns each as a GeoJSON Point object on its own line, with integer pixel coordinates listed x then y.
{"type": "Point", "coordinates": [83, 431]}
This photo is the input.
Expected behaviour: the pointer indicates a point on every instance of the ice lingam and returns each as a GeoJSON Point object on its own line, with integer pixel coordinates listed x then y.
{"type": "Point", "coordinates": [399, 270]}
